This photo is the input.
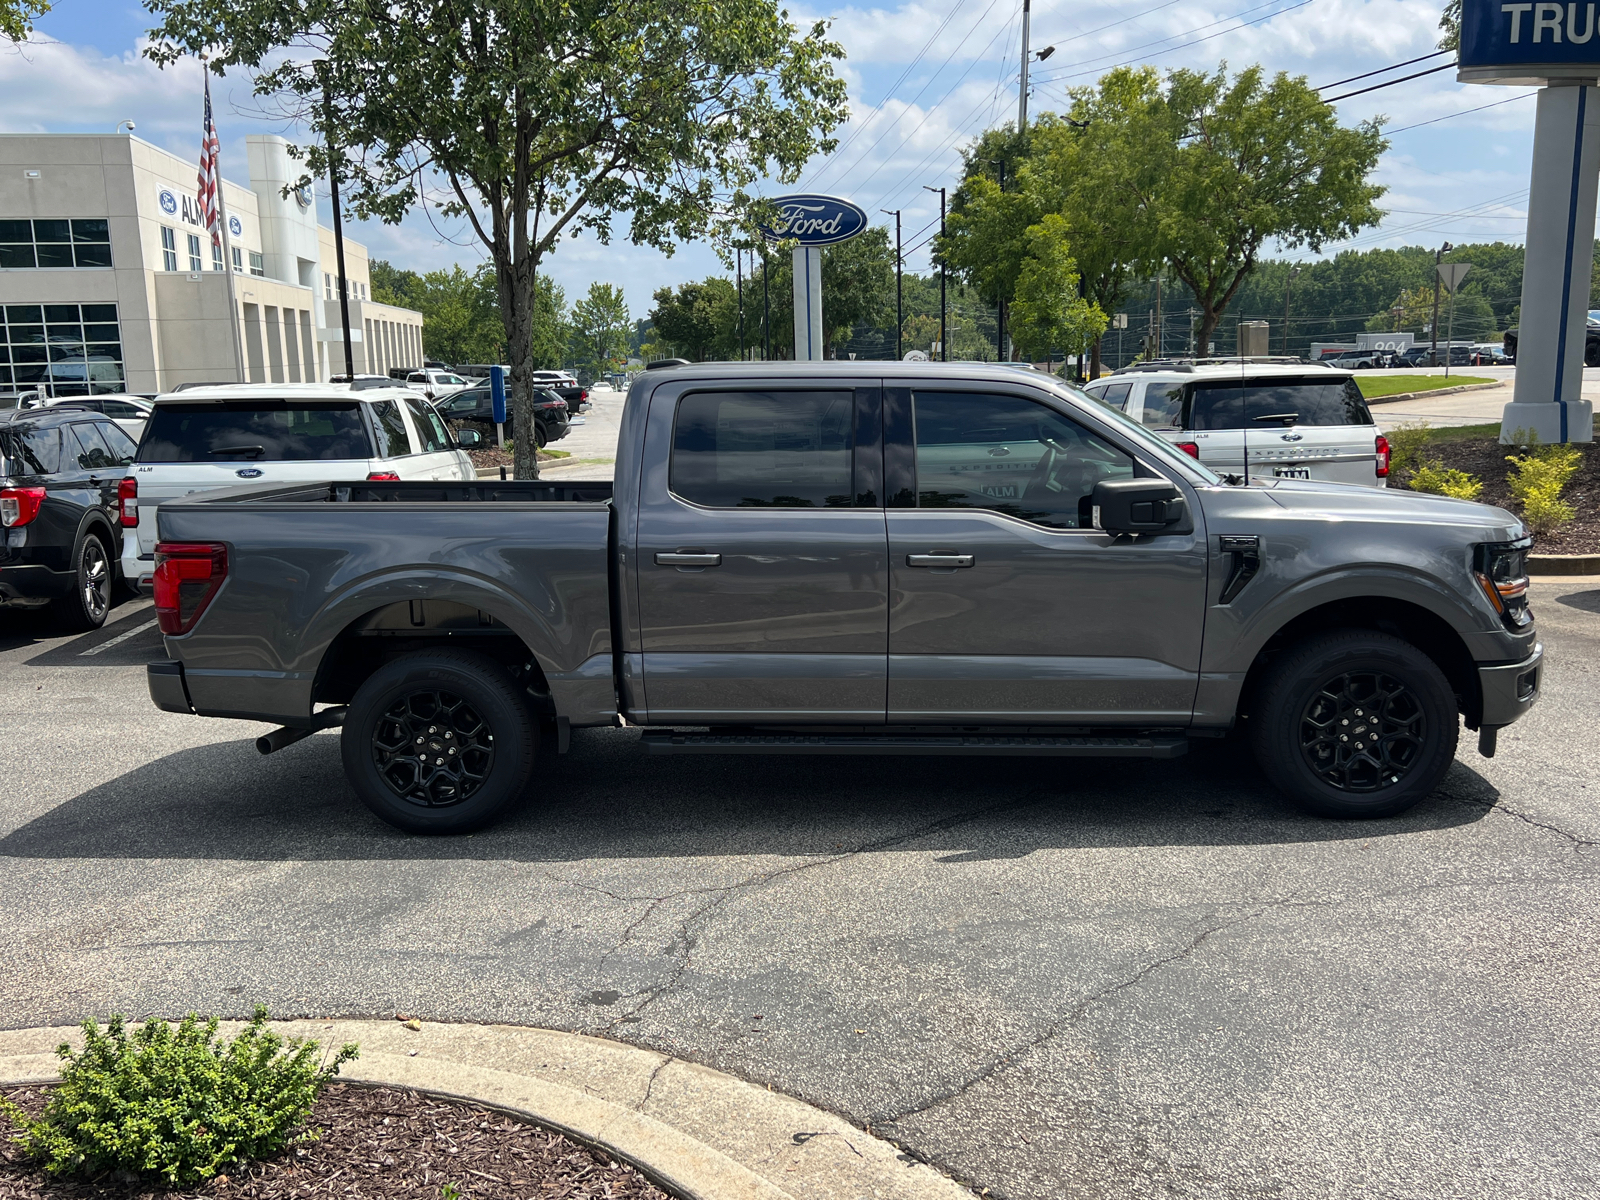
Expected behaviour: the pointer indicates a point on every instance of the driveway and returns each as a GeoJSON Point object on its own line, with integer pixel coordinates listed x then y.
{"type": "Point", "coordinates": [1052, 978]}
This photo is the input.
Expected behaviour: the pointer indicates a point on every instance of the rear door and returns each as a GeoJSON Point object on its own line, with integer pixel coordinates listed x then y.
{"type": "Point", "coordinates": [762, 582]}
{"type": "Point", "coordinates": [439, 458]}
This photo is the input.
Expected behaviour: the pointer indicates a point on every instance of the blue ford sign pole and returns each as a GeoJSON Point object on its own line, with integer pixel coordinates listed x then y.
{"type": "Point", "coordinates": [497, 395]}
{"type": "Point", "coordinates": [812, 221]}
{"type": "Point", "coordinates": [1553, 46]}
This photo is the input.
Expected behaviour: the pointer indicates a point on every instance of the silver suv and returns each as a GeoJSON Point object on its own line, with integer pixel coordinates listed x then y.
{"type": "Point", "coordinates": [1285, 421]}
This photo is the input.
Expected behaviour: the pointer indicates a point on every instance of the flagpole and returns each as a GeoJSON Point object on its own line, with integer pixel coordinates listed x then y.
{"type": "Point", "coordinates": [227, 246]}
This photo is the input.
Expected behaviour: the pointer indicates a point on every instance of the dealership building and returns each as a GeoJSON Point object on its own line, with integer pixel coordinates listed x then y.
{"type": "Point", "coordinates": [109, 282]}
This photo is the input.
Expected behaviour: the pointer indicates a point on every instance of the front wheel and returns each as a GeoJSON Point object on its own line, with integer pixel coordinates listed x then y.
{"type": "Point", "coordinates": [1355, 724]}
{"type": "Point", "coordinates": [438, 742]}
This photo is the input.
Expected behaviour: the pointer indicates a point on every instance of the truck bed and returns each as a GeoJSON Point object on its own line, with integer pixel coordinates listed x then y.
{"type": "Point", "coordinates": [483, 491]}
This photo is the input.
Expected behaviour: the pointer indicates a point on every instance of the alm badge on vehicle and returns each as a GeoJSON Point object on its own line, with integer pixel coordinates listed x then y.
{"type": "Point", "coordinates": [814, 220]}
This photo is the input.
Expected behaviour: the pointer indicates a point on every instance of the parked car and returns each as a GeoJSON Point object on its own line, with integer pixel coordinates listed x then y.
{"type": "Point", "coordinates": [1359, 360]}
{"type": "Point", "coordinates": [130, 412]}
{"type": "Point", "coordinates": [1250, 419]}
{"type": "Point", "coordinates": [565, 385]}
{"type": "Point", "coordinates": [852, 558]}
{"type": "Point", "coordinates": [1591, 342]}
{"type": "Point", "coordinates": [216, 437]}
{"type": "Point", "coordinates": [436, 384]}
{"type": "Point", "coordinates": [550, 416]}
{"type": "Point", "coordinates": [59, 473]}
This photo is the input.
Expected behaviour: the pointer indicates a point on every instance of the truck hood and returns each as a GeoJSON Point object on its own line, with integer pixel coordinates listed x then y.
{"type": "Point", "coordinates": [1354, 502]}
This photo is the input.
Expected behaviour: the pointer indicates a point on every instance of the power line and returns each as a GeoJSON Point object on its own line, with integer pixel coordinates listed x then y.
{"type": "Point", "coordinates": [1462, 113]}
{"type": "Point", "coordinates": [1379, 86]}
{"type": "Point", "coordinates": [1391, 67]}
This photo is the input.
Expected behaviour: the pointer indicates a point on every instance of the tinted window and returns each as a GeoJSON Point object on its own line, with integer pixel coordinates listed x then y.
{"type": "Point", "coordinates": [119, 408]}
{"type": "Point", "coordinates": [122, 446]}
{"type": "Point", "coordinates": [1163, 407]}
{"type": "Point", "coordinates": [1009, 455]}
{"type": "Point", "coordinates": [1319, 402]}
{"type": "Point", "coordinates": [392, 438]}
{"type": "Point", "coordinates": [93, 453]}
{"type": "Point", "coordinates": [1113, 395]}
{"type": "Point", "coordinates": [262, 432]}
{"type": "Point", "coordinates": [764, 449]}
{"type": "Point", "coordinates": [429, 428]}
{"type": "Point", "coordinates": [30, 451]}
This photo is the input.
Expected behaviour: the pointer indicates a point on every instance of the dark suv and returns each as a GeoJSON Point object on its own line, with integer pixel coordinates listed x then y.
{"type": "Point", "coordinates": [60, 532]}
{"type": "Point", "coordinates": [550, 411]}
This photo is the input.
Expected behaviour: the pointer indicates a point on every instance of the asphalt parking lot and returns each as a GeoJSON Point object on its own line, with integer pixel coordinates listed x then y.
{"type": "Point", "coordinates": [1051, 978]}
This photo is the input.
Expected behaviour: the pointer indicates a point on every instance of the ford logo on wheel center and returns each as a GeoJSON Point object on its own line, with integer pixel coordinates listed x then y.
{"type": "Point", "coordinates": [814, 220]}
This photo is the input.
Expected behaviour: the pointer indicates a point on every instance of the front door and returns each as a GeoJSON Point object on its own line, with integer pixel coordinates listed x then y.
{"type": "Point", "coordinates": [761, 569]}
{"type": "Point", "coordinates": [1007, 606]}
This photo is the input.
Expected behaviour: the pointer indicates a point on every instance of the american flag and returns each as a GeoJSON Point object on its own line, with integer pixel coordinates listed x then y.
{"type": "Point", "coordinates": [210, 175]}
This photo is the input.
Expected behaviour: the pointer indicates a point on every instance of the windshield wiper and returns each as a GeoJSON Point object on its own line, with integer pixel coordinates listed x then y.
{"type": "Point", "coordinates": [236, 451]}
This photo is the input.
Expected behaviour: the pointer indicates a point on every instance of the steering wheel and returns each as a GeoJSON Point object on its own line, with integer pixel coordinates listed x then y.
{"type": "Point", "coordinates": [1046, 486]}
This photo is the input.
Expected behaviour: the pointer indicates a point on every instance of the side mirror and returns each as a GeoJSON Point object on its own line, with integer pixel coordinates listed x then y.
{"type": "Point", "coordinates": [1139, 506]}
{"type": "Point", "coordinates": [469, 439]}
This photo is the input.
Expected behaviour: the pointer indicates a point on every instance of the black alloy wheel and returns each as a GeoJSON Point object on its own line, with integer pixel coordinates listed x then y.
{"type": "Point", "coordinates": [86, 607]}
{"type": "Point", "coordinates": [432, 748]}
{"type": "Point", "coordinates": [1354, 723]}
{"type": "Point", "coordinates": [439, 741]}
{"type": "Point", "coordinates": [1362, 732]}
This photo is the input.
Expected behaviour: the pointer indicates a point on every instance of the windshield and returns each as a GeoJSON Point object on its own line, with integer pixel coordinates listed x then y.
{"type": "Point", "coordinates": [1158, 447]}
{"type": "Point", "coordinates": [266, 431]}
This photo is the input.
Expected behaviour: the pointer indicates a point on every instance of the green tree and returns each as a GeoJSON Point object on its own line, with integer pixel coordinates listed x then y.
{"type": "Point", "coordinates": [857, 285]}
{"type": "Point", "coordinates": [536, 119]}
{"type": "Point", "coordinates": [600, 326]}
{"type": "Point", "coordinates": [692, 319]}
{"type": "Point", "coordinates": [1225, 166]}
{"type": "Point", "coordinates": [17, 18]}
{"type": "Point", "coordinates": [985, 240]}
{"type": "Point", "coordinates": [1048, 313]}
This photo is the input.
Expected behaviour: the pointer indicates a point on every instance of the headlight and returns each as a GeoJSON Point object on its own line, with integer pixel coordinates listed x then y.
{"type": "Point", "coordinates": [1502, 573]}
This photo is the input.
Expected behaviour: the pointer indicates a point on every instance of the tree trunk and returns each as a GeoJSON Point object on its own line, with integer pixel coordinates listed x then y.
{"type": "Point", "coordinates": [1210, 318]}
{"type": "Point", "coordinates": [1094, 359]}
{"type": "Point", "coordinates": [518, 298]}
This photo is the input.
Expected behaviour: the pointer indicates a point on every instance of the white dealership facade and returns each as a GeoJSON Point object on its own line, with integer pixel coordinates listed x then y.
{"type": "Point", "coordinates": [108, 280]}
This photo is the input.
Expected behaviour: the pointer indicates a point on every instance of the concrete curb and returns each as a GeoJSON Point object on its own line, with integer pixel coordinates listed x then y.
{"type": "Point", "coordinates": [702, 1134]}
{"type": "Point", "coordinates": [1446, 391]}
{"type": "Point", "coordinates": [1564, 564]}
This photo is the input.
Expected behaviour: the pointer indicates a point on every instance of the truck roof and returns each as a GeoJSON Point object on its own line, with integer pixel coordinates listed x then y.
{"type": "Point", "coordinates": [855, 368]}
{"type": "Point", "coordinates": [1233, 370]}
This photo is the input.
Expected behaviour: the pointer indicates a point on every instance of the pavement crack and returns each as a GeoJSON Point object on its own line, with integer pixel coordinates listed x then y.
{"type": "Point", "coordinates": [650, 1084]}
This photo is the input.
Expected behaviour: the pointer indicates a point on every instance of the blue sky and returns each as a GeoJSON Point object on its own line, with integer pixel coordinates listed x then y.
{"type": "Point", "coordinates": [924, 78]}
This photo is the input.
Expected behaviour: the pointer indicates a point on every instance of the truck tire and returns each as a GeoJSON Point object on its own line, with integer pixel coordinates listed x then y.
{"type": "Point", "coordinates": [85, 607]}
{"type": "Point", "coordinates": [1355, 724]}
{"type": "Point", "coordinates": [1591, 353]}
{"type": "Point", "coordinates": [439, 741]}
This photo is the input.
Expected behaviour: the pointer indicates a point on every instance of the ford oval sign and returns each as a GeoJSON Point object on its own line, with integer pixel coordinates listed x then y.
{"type": "Point", "coordinates": [814, 220]}
{"type": "Point", "coordinates": [248, 472]}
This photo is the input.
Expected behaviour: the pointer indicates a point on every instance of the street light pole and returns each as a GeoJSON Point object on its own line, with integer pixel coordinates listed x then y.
{"type": "Point", "coordinates": [899, 290]}
{"type": "Point", "coordinates": [944, 344]}
{"type": "Point", "coordinates": [766, 310]}
{"type": "Point", "coordinates": [338, 223]}
{"type": "Point", "coordinates": [1293, 271]}
{"type": "Point", "coordinates": [738, 275]}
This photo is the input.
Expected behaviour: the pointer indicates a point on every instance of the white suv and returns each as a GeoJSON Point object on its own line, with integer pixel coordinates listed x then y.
{"type": "Point", "coordinates": [221, 436]}
{"type": "Point", "coordinates": [437, 384]}
{"type": "Point", "coordinates": [1285, 420]}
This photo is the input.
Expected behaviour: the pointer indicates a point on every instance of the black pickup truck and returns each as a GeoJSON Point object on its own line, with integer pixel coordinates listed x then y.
{"type": "Point", "coordinates": [852, 558]}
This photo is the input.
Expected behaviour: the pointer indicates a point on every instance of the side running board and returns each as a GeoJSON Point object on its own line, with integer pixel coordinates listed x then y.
{"type": "Point", "coordinates": [669, 742]}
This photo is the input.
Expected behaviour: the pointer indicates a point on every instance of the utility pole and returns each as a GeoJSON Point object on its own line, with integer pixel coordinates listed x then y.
{"type": "Point", "coordinates": [766, 311]}
{"type": "Point", "coordinates": [899, 291]}
{"type": "Point", "coordinates": [1161, 332]}
{"type": "Point", "coordinates": [338, 224]}
{"type": "Point", "coordinates": [738, 276]}
{"type": "Point", "coordinates": [1293, 271]}
{"type": "Point", "coordinates": [1433, 330]}
{"type": "Point", "coordinates": [1022, 91]}
{"type": "Point", "coordinates": [1002, 341]}
{"type": "Point", "coordinates": [944, 344]}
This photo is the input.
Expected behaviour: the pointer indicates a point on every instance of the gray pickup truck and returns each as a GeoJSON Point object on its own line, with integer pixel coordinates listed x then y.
{"type": "Point", "coordinates": [852, 558]}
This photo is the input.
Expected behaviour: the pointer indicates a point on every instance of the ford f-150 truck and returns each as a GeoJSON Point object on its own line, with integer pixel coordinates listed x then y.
{"type": "Point", "coordinates": [852, 558]}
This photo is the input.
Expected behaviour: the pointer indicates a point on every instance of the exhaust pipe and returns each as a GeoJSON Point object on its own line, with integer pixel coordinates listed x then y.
{"type": "Point", "coordinates": [328, 718]}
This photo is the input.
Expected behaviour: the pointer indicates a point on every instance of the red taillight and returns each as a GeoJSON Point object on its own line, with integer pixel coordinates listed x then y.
{"type": "Point", "coordinates": [1192, 449]}
{"type": "Point", "coordinates": [383, 477]}
{"type": "Point", "coordinates": [187, 575]}
{"type": "Point", "coordinates": [1382, 450]}
{"type": "Point", "coordinates": [128, 502]}
{"type": "Point", "coordinates": [18, 506]}
{"type": "Point", "coordinates": [583, 395]}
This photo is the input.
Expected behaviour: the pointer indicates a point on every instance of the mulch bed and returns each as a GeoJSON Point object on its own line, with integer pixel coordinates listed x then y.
{"type": "Point", "coordinates": [375, 1143]}
{"type": "Point", "coordinates": [1486, 458]}
{"type": "Point", "coordinates": [496, 457]}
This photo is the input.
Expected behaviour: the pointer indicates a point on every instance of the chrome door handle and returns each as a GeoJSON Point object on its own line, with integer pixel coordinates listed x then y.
{"type": "Point", "coordinates": [688, 560]}
{"type": "Point", "coordinates": [940, 560]}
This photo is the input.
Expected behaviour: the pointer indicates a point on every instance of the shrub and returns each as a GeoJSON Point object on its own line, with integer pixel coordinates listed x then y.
{"type": "Point", "coordinates": [1439, 480]}
{"type": "Point", "coordinates": [177, 1103]}
{"type": "Point", "coordinates": [1406, 443]}
{"type": "Point", "coordinates": [1536, 480]}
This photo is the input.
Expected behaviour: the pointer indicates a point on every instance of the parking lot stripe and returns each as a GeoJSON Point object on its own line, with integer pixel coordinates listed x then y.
{"type": "Point", "coordinates": [121, 637]}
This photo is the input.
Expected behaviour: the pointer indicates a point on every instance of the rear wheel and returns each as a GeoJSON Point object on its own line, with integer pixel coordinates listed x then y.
{"type": "Point", "coordinates": [1591, 354]}
{"type": "Point", "coordinates": [1355, 724]}
{"type": "Point", "coordinates": [439, 742]}
{"type": "Point", "coordinates": [86, 606]}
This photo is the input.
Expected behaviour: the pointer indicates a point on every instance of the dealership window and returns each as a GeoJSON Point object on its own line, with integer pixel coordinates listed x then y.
{"type": "Point", "coordinates": [258, 265]}
{"type": "Point", "coordinates": [62, 349]}
{"type": "Point", "coordinates": [169, 248]}
{"type": "Point", "coordinates": [327, 286]}
{"type": "Point", "coordinates": [238, 260]}
{"type": "Point", "coordinates": [216, 256]}
{"type": "Point", "coordinates": [55, 243]}
{"type": "Point", "coordinates": [194, 253]}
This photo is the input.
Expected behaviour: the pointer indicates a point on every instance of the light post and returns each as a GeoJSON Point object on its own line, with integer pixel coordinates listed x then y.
{"type": "Point", "coordinates": [944, 345]}
{"type": "Point", "coordinates": [338, 222]}
{"type": "Point", "coordinates": [899, 290]}
{"type": "Point", "coordinates": [1433, 329]}
{"type": "Point", "coordinates": [738, 278]}
{"type": "Point", "coordinates": [1287, 283]}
